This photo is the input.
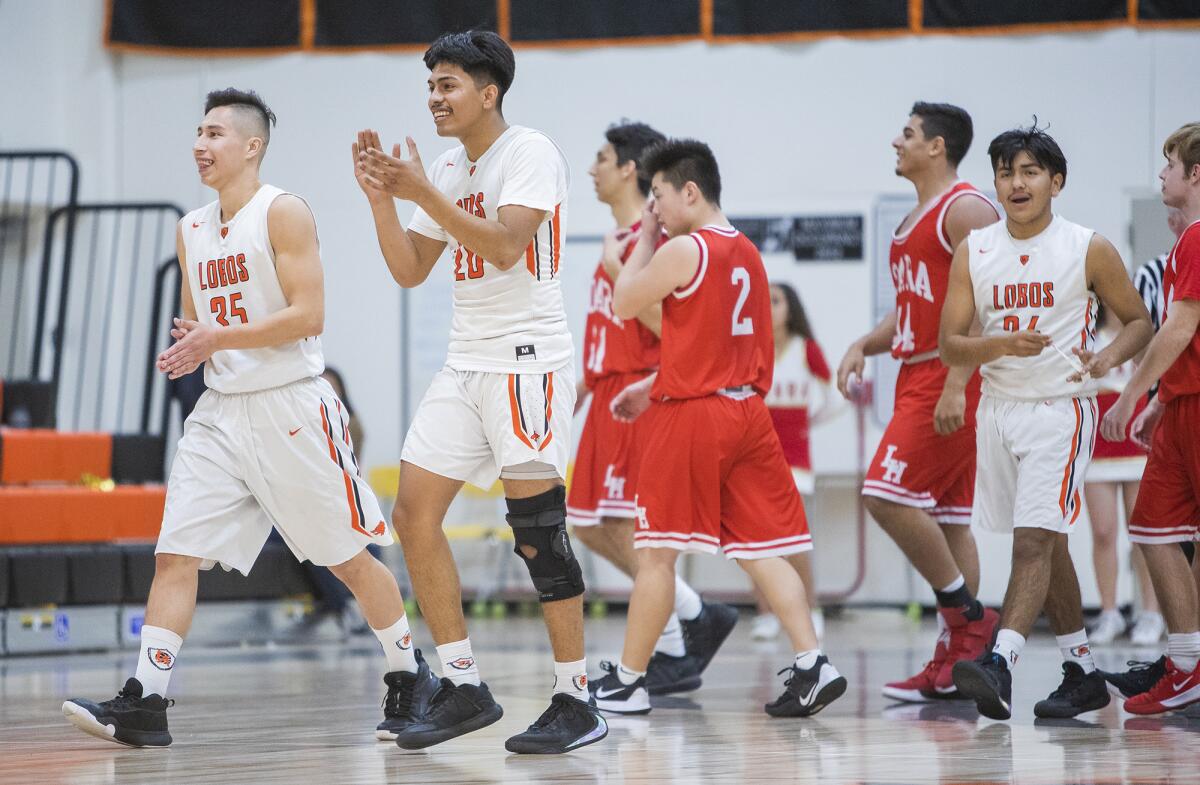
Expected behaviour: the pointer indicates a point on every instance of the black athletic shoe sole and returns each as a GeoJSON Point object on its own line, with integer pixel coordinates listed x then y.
{"type": "Point", "coordinates": [972, 681]}
{"type": "Point", "coordinates": [828, 694]}
{"type": "Point", "coordinates": [1064, 710]}
{"type": "Point", "coordinates": [689, 684]}
{"type": "Point", "coordinates": [80, 715]}
{"type": "Point", "coordinates": [419, 740]}
{"type": "Point", "coordinates": [531, 747]}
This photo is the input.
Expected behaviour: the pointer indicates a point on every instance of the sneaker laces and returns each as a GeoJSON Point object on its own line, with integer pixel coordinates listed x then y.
{"type": "Point", "coordinates": [789, 669]}
{"type": "Point", "coordinates": [560, 704]}
{"type": "Point", "coordinates": [127, 699]}
{"type": "Point", "coordinates": [1072, 681]}
{"type": "Point", "coordinates": [398, 702]}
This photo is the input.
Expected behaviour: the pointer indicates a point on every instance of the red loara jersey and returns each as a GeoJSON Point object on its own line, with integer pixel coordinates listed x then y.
{"type": "Point", "coordinates": [613, 345]}
{"type": "Point", "coordinates": [1181, 281]}
{"type": "Point", "coordinates": [920, 262]}
{"type": "Point", "coordinates": [716, 331]}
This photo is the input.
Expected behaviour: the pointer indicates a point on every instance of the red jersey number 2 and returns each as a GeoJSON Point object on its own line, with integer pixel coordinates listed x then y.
{"type": "Point", "coordinates": [741, 325]}
{"type": "Point", "coordinates": [223, 308]}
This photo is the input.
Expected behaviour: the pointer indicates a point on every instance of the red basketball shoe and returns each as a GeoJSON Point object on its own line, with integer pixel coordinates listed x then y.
{"type": "Point", "coordinates": [1175, 690]}
{"type": "Point", "coordinates": [922, 687]}
{"type": "Point", "coordinates": [968, 640]}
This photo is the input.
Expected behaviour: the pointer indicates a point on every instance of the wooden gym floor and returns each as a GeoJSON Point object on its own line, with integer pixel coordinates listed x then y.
{"type": "Point", "coordinates": [305, 714]}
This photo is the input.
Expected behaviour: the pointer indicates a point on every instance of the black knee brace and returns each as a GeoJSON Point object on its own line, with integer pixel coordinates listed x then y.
{"type": "Point", "coordinates": [1189, 550]}
{"type": "Point", "coordinates": [540, 523]}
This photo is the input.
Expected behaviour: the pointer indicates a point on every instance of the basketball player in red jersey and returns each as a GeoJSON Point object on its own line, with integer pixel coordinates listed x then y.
{"type": "Point", "coordinates": [711, 429]}
{"type": "Point", "coordinates": [618, 352]}
{"type": "Point", "coordinates": [1167, 512]}
{"type": "Point", "coordinates": [920, 484]}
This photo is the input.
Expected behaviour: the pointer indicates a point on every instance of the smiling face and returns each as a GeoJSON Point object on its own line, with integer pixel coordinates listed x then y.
{"type": "Point", "coordinates": [1025, 188]}
{"type": "Point", "coordinates": [224, 147]}
{"type": "Point", "coordinates": [913, 150]}
{"type": "Point", "coordinates": [456, 101]}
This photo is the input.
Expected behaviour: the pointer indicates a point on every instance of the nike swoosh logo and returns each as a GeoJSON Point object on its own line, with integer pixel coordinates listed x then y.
{"type": "Point", "coordinates": [606, 693]}
{"type": "Point", "coordinates": [807, 699]}
{"type": "Point", "coordinates": [196, 225]}
{"type": "Point", "coordinates": [982, 250]}
{"type": "Point", "coordinates": [293, 433]}
{"type": "Point", "coordinates": [1180, 685]}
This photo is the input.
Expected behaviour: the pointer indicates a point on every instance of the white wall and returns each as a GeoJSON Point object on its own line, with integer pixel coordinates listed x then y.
{"type": "Point", "coordinates": [795, 126]}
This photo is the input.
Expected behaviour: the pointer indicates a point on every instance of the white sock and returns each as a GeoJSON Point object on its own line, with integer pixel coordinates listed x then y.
{"type": "Point", "coordinates": [571, 678]}
{"type": "Point", "coordinates": [954, 585]}
{"type": "Point", "coordinates": [671, 640]}
{"type": "Point", "coordinates": [1074, 647]}
{"type": "Point", "coordinates": [458, 663]}
{"type": "Point", "coordinates": [626, 675]}
{"type": "Point", "coordinates": [687, 602]}
{"type": "Point", "coordinates": [160, 648]}
{"type": "Point", "coordinates": [1184, 649]}
{"type": "Point", "coordinates": [1008, 645]}
{"type": "Point", "coordinates": [398, 646]}
{"type": "Point", "coordinates": [807, 659]}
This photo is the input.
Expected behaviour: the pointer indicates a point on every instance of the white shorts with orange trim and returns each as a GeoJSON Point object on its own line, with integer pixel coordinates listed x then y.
{"type": "Point", "coordinates": [1033, 457]}
{"type": "Point", "coordinates": [476, 426]}
{"type": "Point", "coordinates": [281, 457]}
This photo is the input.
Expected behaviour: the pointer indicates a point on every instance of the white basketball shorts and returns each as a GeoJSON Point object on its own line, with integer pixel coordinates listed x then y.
{"type": "Point", "coordinates": [476, 426]}
{"type": "Point", "coordinates": [1032, 460]}
{"type": "Point", "coordinates": [280, 457]}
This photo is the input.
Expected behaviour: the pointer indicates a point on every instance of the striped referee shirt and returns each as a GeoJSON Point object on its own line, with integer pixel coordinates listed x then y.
{"type": "Point", "coordinates": [1148, 280]}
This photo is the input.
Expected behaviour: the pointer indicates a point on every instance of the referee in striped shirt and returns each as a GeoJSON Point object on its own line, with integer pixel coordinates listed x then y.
{"type": "Point", "coordinates": [1148, 279]}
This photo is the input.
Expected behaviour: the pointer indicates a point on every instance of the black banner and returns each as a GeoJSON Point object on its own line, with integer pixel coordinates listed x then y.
{"type": "Point", "coordinates": [550, 20]}
{"type": "Point", "coordinates": [213, 24]}
{"type": "Point", "coordinates": [1168, 10]}
{"type": "Point", "coordinates": [992, 13]}
{"type": "Point", "coordinates": [386, 22]}
{"type": "Point", "coordinates": [758, 17]}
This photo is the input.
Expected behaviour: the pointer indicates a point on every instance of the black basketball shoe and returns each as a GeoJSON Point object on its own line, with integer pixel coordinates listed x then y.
{"type": "Point", "coordinates": [808, 691]}
{"type": "Point", "coordinates": [666, 674]}
{"type": "Point", "coordinates": [407, 698]}
{"type": "Point", "coordinates": [1140, 677]}
{"type": "Point", "coordinates": [611, 695]}
{"type": "Point", "coordinates": [986, 681]}
{"type": "Point", "coordinates": [126, 719]}
{"type": "Point", "coordinates": [453, 711]}
{"type": "Point", "coordinates": [704, 634]}
{"type": "Point", "coordinates": [567, 725]}
{"type": "Point", "coordinates": [1079, 692]}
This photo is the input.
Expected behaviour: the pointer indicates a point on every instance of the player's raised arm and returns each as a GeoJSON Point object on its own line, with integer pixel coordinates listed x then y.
{"type": "Point", "coordinates": [1108, 278]}
{"type": "Point", "coordinates": [956, 345]}
{"type": "Point", "coordinates": [643, 285]}
{"type": "Point", "coordinates": [410, 256]}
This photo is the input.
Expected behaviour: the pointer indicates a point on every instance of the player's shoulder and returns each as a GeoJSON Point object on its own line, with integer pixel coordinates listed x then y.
{"type": "Point", "coordinates": [1189, 238]}
{"type": "Point", "coordinates": [286, 206]}
{"type": "Point", "coordinates": [524, 142]}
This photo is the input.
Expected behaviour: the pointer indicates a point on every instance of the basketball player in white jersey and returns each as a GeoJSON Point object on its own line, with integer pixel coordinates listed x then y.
{"type": "Point", "coordinates": [502, 405]}
{"type": "Point", "coordinates": [267, 444]}
{"type": "Point", "coordinates": [1032, 281]}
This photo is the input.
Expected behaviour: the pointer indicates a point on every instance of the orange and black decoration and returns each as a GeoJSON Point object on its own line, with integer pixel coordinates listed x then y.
{"type": "Point", "coordinates": [281, 26]}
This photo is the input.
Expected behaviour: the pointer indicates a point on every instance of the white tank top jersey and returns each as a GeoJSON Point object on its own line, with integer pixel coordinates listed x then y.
{"type": "Point", "coordinates": [506, 321]}
{"type": "Point", "coordinates": [1036, 284]}
{"type": "Point", "coordinates": [231, 272]}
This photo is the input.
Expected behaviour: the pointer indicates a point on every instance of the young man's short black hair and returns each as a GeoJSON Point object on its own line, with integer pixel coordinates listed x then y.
{"type": "Point", "coordinates": [630, 140]}
{"type": "Point", "coordinates": [481, 53]}
{"type": "Point", "coordinates": [244, 101]}
{"type": "Point", "coordinates": [950, 122]}
{"type": "Point", "coordinates": [1033, 140]}
{"type": "Point", "coordinates": [685, 160]}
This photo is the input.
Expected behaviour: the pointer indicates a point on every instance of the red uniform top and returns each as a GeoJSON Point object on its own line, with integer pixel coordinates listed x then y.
{"type": "Point", "coordinates": [1181, 281]}
{"type": "Point", "coordinates": [920, 263]}
{"type": "Point", "coordinates": [614, 345]}
{"type": "Point", "coordinates": [716, 330]}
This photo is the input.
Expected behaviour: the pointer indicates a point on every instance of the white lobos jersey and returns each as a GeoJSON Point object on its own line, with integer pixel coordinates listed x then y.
{"type": "Point", "coordinates": [1036, 284]}
{"type": "Point", "coordinates": [514, 320]}
{"type": "Point", "coordinates": [231, 272]}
